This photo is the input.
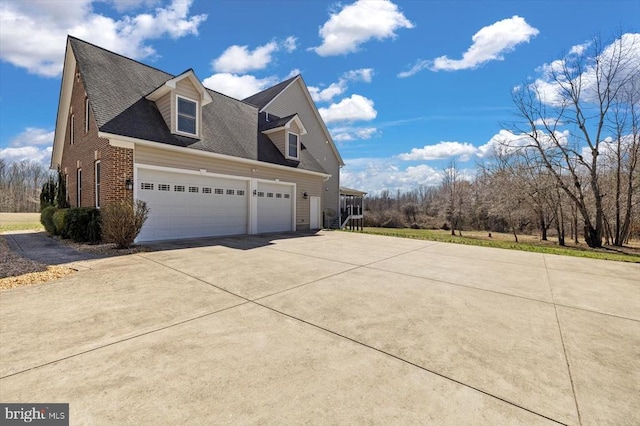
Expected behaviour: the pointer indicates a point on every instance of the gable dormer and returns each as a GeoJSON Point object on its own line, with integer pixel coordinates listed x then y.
{"type": "Point", "coordinates": [180, 101]}
{"type": "Point", "coordinates": [285, 133]}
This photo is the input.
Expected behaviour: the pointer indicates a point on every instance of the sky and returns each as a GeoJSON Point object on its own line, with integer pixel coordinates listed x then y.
{"type": "Point", "coordinates": [405, 87]}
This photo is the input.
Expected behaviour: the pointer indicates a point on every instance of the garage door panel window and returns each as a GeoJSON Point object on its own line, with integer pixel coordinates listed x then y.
{"type": "Point", "coordinates": [164, 187]}
{"type": "Point", "coordinates": [146, 186]}
{"type": "Point", "coordinates": [178, 188]}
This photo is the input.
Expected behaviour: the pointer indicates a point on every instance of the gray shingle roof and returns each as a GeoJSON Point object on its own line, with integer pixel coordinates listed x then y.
{"type": "Point", "coordinates": [274, 122]}
{"type": "Point", "coordinates": [261, 99]}
{"type": "Point", "coordinates": [117, 86]}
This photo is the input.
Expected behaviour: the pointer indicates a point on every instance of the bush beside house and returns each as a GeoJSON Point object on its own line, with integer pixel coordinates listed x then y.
{"type": "Point", "coordinates": [122, 221]}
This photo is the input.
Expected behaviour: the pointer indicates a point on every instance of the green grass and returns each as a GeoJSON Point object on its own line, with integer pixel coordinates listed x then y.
{"type": "Point", "coordinates": [35, 226]}
{"type": "Point", "coordinates": [500, 242]}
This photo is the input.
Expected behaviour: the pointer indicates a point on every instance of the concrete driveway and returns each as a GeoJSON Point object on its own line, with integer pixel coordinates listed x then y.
{"type": "Point", "coordinates": [329, 328]}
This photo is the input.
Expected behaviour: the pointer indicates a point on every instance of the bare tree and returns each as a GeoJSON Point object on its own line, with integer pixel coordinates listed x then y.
{"type": "Point", "coordinates": [451, 191]}
{"type": "Point", "coordinates": [565, 119]}
{"type": "Point", "coordinates": [20, 185]}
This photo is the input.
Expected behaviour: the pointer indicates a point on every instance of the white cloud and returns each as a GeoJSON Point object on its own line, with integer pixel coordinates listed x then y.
{"type": "Point", "coordinates": [579, 49]}
{"type": "Point", "coordinates": [33, 144]}
{"type": "Point", "coordinates": [506, 142]}
{"type": "Point", "coordinates": [419, 66]}
{"type": "Point", "coordinates": [439, 151]}
{"type": "Point", "coordinates": [238, 86]}
{"type": "Point", "coordinates": [375, 175]}
{"type": "Point", "coordinates": [358, 23]}
{"type": "Point", "coordinates": [328, 93]}
{"type": "Point", "coordinates": [489, 44]}
{"type": "Point", "coordinates": [124, 5]}
{"type": "Point", "coordinates": [548, 122]}
{"type": "Point", "coordinates": [338, 88]}
{"type": "Point", "coordinates": [30, 153]}
{"type": "Point", "coordinates": [33, 136]}
{"type": "Point", "coordinates": [354, 108]}
{"type": "Point", "coordinates": [362, 74]}
{"type": "Point", "coordinates": [345, 134]}
{"type": "Point", "coordinates": [290, 44]}
{"type": "Point", "coordinates": [557, 76]}
{"type": "Point", "coordinates": [33, 33]}
{"type": "Point", "coordinates": [294, 72]}
{"type": "Point", "coordinates": [239, 59]}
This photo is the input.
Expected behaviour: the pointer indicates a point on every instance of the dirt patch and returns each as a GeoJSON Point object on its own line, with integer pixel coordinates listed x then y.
{"type": "Point", "coordinates": [16, 271]}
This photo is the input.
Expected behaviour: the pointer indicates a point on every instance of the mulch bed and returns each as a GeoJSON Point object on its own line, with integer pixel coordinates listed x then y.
{"type": "Point", "coordinates": [16, 271]}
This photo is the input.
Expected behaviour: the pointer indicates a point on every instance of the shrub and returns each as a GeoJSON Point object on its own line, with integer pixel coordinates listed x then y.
{"type": "Point", "coordinates": [46, 219]}
{"type": "Point", "coordinates": [82, 224]}
{"type": "Point", "coordinates": [392, 219]}
{"type": "Point", "coordinates": [122, 221]}
{"type": "Point", "coordinates": [59, 222]}
{"type": "Point", "coordinates": [48, 194]}
{"type": "Point", "coordinates": [61, 191]}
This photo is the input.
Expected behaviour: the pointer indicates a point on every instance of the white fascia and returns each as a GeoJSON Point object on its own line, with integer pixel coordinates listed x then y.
{"type": "Point", "coordinates": [126, 142]}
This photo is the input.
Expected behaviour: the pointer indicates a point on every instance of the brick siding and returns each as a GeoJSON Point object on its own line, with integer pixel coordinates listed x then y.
{"type": "Point", "coordinates": [116, 164]}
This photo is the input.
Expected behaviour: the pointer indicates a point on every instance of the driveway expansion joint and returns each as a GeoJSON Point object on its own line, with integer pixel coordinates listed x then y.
{"type": "Point", "coordinates": [106, 345]}
{"type": "Point", "coordinates": [357, 342]}
{"type": "Point", "coordinates": [564, 349]}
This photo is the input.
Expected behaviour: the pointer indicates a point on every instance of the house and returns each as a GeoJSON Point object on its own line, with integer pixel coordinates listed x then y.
{"type": "Point", "coordinates": [206, 164]}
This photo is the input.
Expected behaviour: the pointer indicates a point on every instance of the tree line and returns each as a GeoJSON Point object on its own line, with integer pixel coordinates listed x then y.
{"type": "Point", "coordinates": [568, 161]}
{"type": "Point", "coordinates": [21, 184]}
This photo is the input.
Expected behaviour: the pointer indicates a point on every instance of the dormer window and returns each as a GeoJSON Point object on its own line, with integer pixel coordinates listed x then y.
{"type": "Point", "coordinates": [293, 146]}
{"type": "Point", "coordinates": [187, 116]}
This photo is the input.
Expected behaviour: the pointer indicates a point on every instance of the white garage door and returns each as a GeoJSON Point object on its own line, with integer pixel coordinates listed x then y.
{"type": "Point", "coordinates": [275, 207]}
{"type": "Point", "coordinates": [188, 206]}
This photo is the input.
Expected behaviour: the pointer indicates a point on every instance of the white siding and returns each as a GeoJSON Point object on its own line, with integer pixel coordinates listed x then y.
{"type": "Point", "coordinates": [164, 106]}
{"type": "Point", "coordinates": [293, 100]}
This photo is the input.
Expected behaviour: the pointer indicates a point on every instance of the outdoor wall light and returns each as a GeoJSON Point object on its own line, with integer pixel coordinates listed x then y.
{"type": "Point", "coordinates": [305, 195]}
{"type": "Point", "coordinates": [128, 185]}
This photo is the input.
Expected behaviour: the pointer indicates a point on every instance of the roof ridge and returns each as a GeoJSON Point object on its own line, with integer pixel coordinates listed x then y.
{"type": "Point", "coordinates": [69, 36]}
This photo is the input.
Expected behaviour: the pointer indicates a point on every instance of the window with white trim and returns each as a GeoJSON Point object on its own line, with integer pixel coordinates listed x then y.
{"type": "Point", "coordinates": [293, 146]}
{"type": "Point", "coordinates": [164, 187]}
{"type": "Point", "coordinates": [146, 185]}
{"type": "Point", "coordinates": [206, 190]}
{"type": "Point", "coordinates": [78, 187]}
{"type": "Point", "coordinates": [187, 116]}
{"type": "Point", "coordinates": [287, 196]}
{"type": "Point", "coordinates": [230, 192]}
{"type": "Point", "coordinates": [219, 191]}
{"type": "Point", "coordinates": [240, 192]}
{"type": "Point", "coordinates": [86, 114]}
{"type": "Point", "coordinates": [96, 172]}
{"type": "Point", "coordinates": [194, 189]}
{"type": "Point", "coordinates": [72, 126]}
{"type": "Point", "coordinates": [178, 188]}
